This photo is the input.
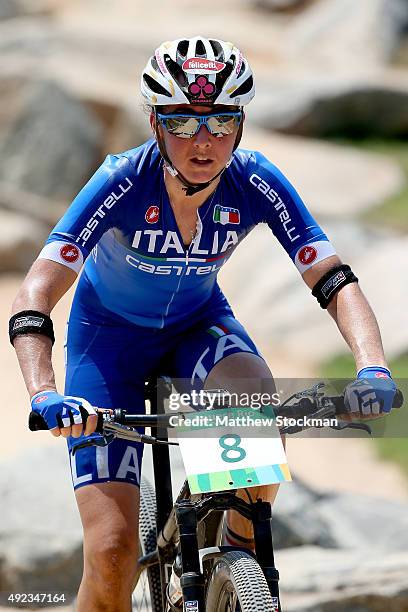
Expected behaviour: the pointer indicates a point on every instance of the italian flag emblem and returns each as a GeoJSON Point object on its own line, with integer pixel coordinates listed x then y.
{"type": "Point", "coordinates": [224, 215]}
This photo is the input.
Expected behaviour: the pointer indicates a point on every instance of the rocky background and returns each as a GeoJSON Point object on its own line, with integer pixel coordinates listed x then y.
{"type": "Point", "coordinates": [69, 78]}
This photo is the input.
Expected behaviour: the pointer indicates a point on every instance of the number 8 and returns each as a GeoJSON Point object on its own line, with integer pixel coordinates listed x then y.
{"type": "Point", "coordinates": [234, 447]}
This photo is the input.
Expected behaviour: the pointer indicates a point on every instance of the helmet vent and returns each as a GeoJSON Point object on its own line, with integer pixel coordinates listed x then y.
{"type": "Point", "coordinates": [155, 86]}
{"type": "Point", "coordinates": [176, 71]}
{"type": "Point", "coordinates": [218, 51]}
{"type": "Point", "coordinates": [155, 64]}
{"type": "Point", "coordinates": [200, 48]}
{"type": "Point", "coordinates": [182, 48]}
{"type": "Point", "coordinates": [244, 88]}
{"type": "Point", "coordinates": [225, 73]}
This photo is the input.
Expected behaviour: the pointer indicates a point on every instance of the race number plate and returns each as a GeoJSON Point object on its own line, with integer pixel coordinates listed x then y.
{"type": "Point", "coordinates": [218, 457]}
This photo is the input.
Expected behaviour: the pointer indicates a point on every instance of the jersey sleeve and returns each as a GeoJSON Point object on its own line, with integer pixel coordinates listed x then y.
{"type": "Point", "coordinates": [91, 214]}
{"type": "Point", "coordinates": [273, 200]}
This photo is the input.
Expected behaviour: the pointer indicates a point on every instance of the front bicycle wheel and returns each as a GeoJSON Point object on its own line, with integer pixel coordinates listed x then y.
{"type": "Point", "coordinates": [147, 594]}
{"type": "Point", "coordinates": [237, 584]}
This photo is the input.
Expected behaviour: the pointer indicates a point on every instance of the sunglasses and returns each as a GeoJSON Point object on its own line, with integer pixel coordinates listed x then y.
{"type": "Point", "coordinates": [187, 126]}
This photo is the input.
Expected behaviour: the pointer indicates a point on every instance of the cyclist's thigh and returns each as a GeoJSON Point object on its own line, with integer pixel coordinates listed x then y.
{"type": "Point", "coordinates": [110, 518]}
{"type": "Point", "coordinates": [215, 352]}
{"type": "Point", "coordinates": [108, 365]}
{"type": "Point", "coordinates": [219, 353]}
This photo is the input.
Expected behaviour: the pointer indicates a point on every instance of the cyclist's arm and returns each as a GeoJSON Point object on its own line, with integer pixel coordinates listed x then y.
{"type": "Point", "coordinates": [275, 201]}
{"type": "Point", "coordinates": [53, 273]}
{"type": "Point", "coordinates": [353, 316]}
{"type": "Point", "coordinates": [44, 285]}
{"type": "Point", "coordinates": [92, 213]}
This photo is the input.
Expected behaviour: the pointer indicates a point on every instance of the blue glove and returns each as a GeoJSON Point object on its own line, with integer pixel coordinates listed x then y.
{"type": "Point", "coordinates": [372, 393]}
{"type": "Point", "coordinates": [50, 404]}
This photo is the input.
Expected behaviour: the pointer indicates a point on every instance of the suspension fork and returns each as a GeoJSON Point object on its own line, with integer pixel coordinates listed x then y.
{"type": "Point", "coordinates": [156, 392]}
{"type": "Point", "coordinates": [192, 580]}
{"type": "Point", "coordinates": [262, 522]}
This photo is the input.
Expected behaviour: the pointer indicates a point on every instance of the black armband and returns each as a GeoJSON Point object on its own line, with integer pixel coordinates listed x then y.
{"type": "Point", "coordinates": [31, 322]}
{"type": "Point", "coordinates": [331, 282]}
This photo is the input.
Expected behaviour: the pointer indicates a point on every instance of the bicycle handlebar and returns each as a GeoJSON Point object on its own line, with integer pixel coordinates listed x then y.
{"type": "Point", "coordinates": [305, 407]}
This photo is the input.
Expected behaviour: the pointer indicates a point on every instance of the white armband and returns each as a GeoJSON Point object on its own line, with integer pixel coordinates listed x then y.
{"type": "Point", "coordinates": [65, 253]}
{"type": "Point", "coordinates": [313, 252]}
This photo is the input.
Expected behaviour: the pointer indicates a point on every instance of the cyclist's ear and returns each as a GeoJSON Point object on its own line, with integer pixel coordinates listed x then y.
{"type": "Point", "coordinates": [152, 120]}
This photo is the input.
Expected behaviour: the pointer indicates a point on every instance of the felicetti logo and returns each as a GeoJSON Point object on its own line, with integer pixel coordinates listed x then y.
{"type": "Point", "coordinates": [199, 65]}
{"type": "Point", "coordinates": [69, 253]}
{"type": "Point", "coordinates": [381, 375]}
{"type": "Point", "coordinates": [152, 214]}
{"type": "Point", "coordinates": [307, 255]}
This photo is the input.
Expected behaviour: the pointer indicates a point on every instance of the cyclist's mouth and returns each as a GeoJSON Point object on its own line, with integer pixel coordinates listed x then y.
{"type": "Point", "coordinates": [201, 161]}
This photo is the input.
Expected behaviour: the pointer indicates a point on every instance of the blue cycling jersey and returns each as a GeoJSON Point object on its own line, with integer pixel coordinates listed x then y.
{"type": "Point", "coordinates": [122, 224]}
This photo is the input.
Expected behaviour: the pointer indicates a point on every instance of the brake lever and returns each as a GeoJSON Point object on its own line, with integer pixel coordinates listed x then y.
{"type": "Point", "coordinates": [124, 432]}
{"type": "Point", "coordinates": [345, 425]}
{"type": "Point", "coordinates": [100, 441]}
{"type": "Point", "coordinates": [291, 429]}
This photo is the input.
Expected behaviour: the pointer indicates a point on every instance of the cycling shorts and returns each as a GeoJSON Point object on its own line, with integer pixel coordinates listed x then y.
{"type": "Point", "coordinates": [107, 363]}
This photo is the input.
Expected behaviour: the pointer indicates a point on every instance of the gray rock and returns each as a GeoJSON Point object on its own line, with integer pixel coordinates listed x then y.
{"type": "Point", "coordinates": [344, 521]}
{"type": "Point", "coordinates": [41, 47]}
{"type": "Point", "coordinates": [52, 145]}
{"type": "Point", "coordinates": [294, 497]}
{"type": "Point", "coordinates": [319, 580]}
{"type": "Point", "coordinates": [322, 108]}
{"type": "Point", "coordinates": [346, 34]}
{"type": "Point", "coordinates": [356, 521]}
{"type": "Point", "coordinates": [334, 76]}
{"type": "Point", "coordinates": [43, 210]}
{"type": "Point", "coordinates": [130, 128]}
{"type": "Point", "coordinates": [396, 601]}
{"type": "Point", "coordinates": [126, 123]}
{"type": "Point", "coordinates": [395, 19]}
{"type": "Point", "coordinates": [40, 530]}
{"type": "Point", "coordinates": [29, 37]}
{"type": "Point", "coordinates": [294, 523]}
{"type": "Point", "coordinates": [26, 220]}
{"type": "Point", "coordinates": [277, 5]}
{"type": "Point", "coordinates": [9, 9]}
{"type": "Point", "coordinates": [11, 90]}
{"type": "Point", "coordinates": [15, 8]}
{"type": "Point", "coordinates": [299, 526]}
{"type": "Point", "coordinates": [20, 242]}
{"type": "Point", "coordinates": [303, 529]}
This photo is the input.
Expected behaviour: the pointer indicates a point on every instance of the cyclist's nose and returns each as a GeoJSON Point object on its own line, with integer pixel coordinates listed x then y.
{"type": "Point", "coordinates": [202, 138]}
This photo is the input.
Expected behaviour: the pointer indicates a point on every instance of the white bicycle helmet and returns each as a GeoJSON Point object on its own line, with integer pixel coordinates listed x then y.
{"type": "Point", "coordinates": [197, 71]}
